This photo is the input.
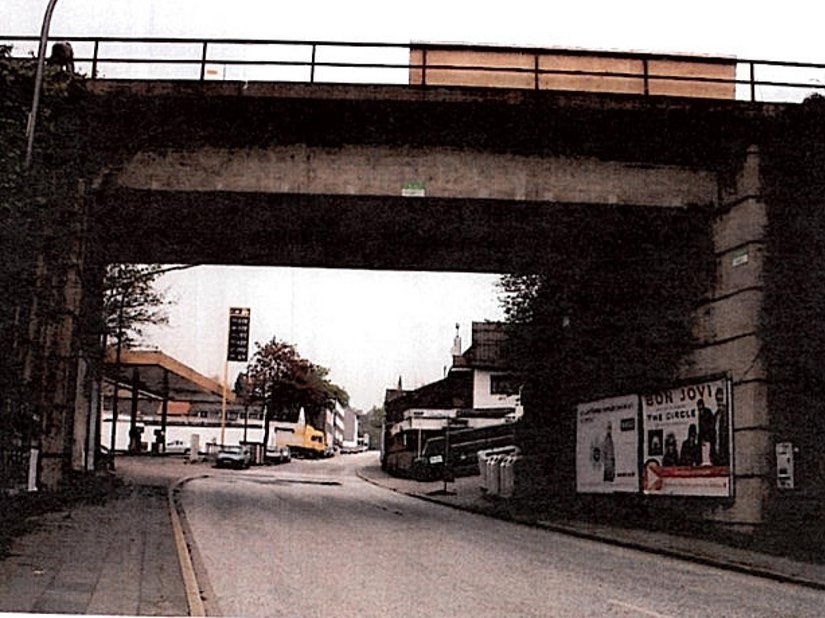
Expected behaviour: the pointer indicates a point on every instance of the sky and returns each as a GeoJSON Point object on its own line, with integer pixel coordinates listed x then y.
{"type": "Point", "coordinates": [790, 30]}
{"type": "Point", "coordinates": [371, 327]}
{"type": "Point", "coordinates": [368, 327]}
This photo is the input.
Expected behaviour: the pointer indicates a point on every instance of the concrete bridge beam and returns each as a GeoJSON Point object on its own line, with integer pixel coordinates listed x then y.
{"type": "Point", "coordinates": [437, 172]}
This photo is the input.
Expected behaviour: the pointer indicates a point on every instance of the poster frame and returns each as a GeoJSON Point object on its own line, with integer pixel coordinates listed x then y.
{"type": "Point", "coordinates": [727, 379]}
{"type": "Point", "coordinates": [641, 437]}
{"type": "Point", "coordinates": [622, 488]}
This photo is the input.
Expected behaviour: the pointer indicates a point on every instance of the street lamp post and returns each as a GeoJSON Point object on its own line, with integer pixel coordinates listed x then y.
{"type": "Point", "coordinates": [38, 83]}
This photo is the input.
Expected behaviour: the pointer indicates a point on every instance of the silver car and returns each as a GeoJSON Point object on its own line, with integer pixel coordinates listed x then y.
{"type": "Point", "coordinates": [234, 457]}
{"type": "Point", "coordinates": [177, 447]}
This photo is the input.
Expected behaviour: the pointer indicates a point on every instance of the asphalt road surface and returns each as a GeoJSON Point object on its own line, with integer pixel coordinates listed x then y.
{"type": "Point", "coordinates": [309, 538]}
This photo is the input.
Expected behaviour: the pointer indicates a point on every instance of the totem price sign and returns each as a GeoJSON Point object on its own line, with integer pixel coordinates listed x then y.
{"type": "Point", "coordinates": [238, 345]}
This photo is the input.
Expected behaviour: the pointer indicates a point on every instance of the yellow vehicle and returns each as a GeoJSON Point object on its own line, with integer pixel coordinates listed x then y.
{"type": "Point", "coordinates": [303, 440]}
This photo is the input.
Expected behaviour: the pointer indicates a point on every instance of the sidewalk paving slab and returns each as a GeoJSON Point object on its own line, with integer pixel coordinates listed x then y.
{"type": "Point", "coordinates": [465, 493]}
{"type": "Point", "coordinates": [115, 558]}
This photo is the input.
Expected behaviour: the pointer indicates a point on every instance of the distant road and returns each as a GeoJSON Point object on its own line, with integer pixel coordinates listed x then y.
{"type": "Point", "coordinates": [311, 539]}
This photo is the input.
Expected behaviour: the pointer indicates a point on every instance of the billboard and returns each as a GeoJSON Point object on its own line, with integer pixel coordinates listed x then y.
{"type": "Point", "coordinates": [686, 440]}
{"type": "Point", "coordinates": [607, 445]}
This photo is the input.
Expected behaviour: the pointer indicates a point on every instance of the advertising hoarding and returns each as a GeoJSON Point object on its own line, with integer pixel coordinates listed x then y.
{"type": "Point", "coordinates": [607, 445]}
{"type": "Point", "coordinates": [686, 440]}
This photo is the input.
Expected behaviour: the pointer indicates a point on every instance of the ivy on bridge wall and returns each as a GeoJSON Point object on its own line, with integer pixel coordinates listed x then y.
{"type": "Point", "coordinates": [614, 317]}
{"type": "Point", "coordinates": [793, 319]}
{"type": "Point", "coordinates": [42, 219]}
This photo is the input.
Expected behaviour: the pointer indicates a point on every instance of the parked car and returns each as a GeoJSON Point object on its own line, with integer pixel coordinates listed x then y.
{"type": "Point", "coordinates": [177, 447]}
{"type": "Point", "coordinates": [234, 457]}
{"type": "Point", "coordinates": [349, 450]}
{"type": "Point", "coordinates": [280, 454]}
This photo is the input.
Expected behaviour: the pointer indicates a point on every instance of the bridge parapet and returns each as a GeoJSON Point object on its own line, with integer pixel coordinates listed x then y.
{"type": "Point", "coordinates": [435, 64]}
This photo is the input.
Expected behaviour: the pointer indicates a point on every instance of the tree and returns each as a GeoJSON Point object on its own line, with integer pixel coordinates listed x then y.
{"type": "Point", "coordinates": [284, 382]}
{"type": "Point", "coordinates": [372, 423]}
{"type": "Point", "coordinates": [130, 301]}
{"type": "Point", "coordinates": [610, 320]}
{"type": "Point", "coordinates": [316, 394]}
{"type": "Point", "coordinates": [274, 373]}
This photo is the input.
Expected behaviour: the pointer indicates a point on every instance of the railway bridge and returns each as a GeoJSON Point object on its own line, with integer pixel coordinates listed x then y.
{"type": "Point", "coordinates": [480, 160]}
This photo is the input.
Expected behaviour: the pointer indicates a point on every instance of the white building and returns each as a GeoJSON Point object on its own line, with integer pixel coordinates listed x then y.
{"type": "Point", "coordinates": [479, 388]}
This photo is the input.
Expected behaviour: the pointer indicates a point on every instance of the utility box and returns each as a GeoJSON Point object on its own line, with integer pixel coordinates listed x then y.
{"type": "Point", "coordinates": [785, 478]}
{"type": "Point", "coordinates": [194, 447]}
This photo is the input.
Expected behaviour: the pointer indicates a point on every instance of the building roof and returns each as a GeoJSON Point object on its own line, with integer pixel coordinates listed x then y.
{"type": "Point", "coordinates": [488, 349]}
{"type": "Point", "coordinates": [175, 408]}
{"type": "Point", "coordinates": [453, 391]}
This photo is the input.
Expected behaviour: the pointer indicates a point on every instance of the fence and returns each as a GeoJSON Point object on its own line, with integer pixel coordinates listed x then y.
{"type": "Point", "coordinates": [427, 65]}
{"type": "Point", "coordinates": [18, 469]}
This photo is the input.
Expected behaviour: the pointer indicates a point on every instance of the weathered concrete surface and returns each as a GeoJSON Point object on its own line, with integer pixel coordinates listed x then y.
{"type": "Point", "coordinates": [439, 172]}
{"type": "Point", "coordinates": [370, 232]}
{"type": "Point", "coordinates": [314, 175]}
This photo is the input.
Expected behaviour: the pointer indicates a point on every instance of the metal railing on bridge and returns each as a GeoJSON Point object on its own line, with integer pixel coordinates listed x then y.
{"type": "Point", "coordinates": [431, 64]}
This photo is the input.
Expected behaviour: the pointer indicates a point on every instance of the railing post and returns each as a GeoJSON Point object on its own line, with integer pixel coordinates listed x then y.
{"type": "Point", "coordinates": [423, 66]}
{"type": "Point", "coordinates": [94, 59]}
{"type": "Point", "coordinates": [312, 63]}
{"type": "Point", "coordinates": [203, 60]}
{"type": "Point", "coordinates": [646, 76]}
{"type": "Point", "coordinates": [536, 70]}
{"type": "Point", "coordinates": [753, 82]}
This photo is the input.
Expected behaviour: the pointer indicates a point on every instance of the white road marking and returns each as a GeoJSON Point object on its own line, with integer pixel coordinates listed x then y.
{"type": "Point", "coordinates": [640, 610]}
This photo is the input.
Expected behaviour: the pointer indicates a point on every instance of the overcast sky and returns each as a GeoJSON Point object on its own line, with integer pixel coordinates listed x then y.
{"type": "Point", "coordinates": [786, 30]}
{"type": "Point", "coordinates": [371, 327]}
{"type": "Point", "coordinates": [367, 327]}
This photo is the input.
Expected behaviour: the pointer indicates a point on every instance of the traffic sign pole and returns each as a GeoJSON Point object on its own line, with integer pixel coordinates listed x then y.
{"type": "Point", "coordinates": [223, 402]}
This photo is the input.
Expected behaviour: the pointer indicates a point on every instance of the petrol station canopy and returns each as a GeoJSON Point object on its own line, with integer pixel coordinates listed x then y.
{"type": "Point", "coordinates": [162, 376]}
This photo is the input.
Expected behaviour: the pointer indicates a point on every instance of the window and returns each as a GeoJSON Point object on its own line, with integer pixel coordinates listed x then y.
{"type": "Point", "coordinates": [503, 384]}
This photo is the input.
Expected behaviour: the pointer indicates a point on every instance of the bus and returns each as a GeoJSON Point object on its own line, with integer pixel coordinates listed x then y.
{"type": "Point", "coordinates": [419, 454]}
{"type": "Point", "coordinates": [461, 453]}
{"type": "Point", "coordinates": [403, 447]}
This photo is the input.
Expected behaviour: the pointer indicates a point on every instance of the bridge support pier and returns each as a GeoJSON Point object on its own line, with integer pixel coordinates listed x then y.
{"type": "Point", "coordinates": [50, 351]}
{"type": "Point", "coordinates": [731, 342]}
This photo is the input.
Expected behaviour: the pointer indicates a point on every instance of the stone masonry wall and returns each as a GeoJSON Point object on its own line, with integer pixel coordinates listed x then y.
{"type": "Point", "coordinates": [729, 340]}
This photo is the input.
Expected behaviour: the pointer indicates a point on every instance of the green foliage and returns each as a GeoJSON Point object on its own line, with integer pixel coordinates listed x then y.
{"type": "Point", "coordinates": [130, 301]}
{"type": "Point", "coordinates": [793, 317]}
{"type": "Point", "coordinates": [371, 424]}
{"type": "Point", "coordinates": [286, 382]}
{"type": "Point", "coordinates": [30, 200]}
{"type": "Point", "coordinates": [37, 226]}
{"type": "Point", "coordinates": [608, 320]}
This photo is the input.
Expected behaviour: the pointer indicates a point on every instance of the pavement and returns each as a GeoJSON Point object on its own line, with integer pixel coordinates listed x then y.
{"type": "Point", "coordinates": [123, 557]}
{"type": "Point", "coordinates": [115, 558]}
